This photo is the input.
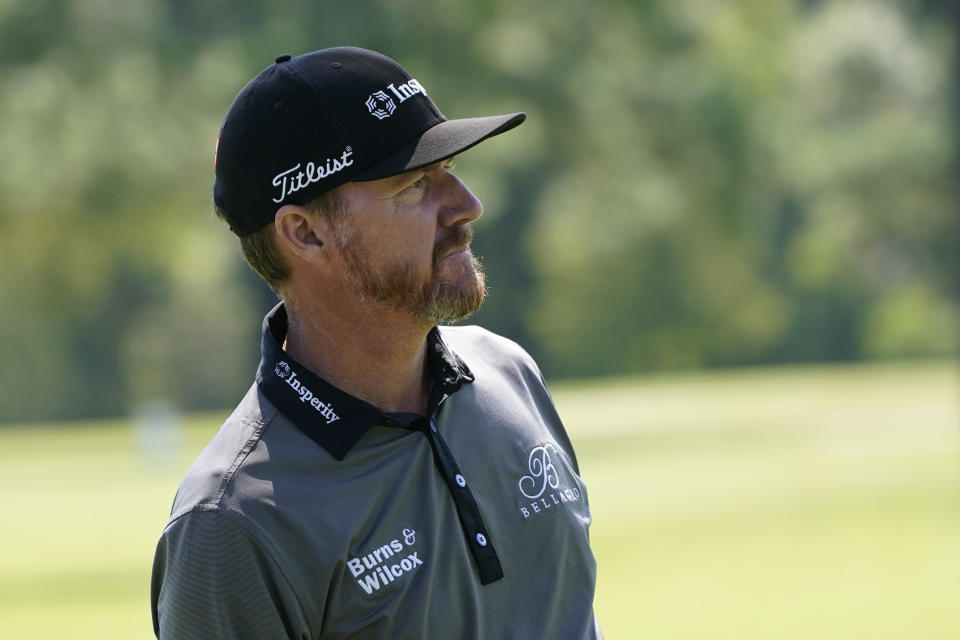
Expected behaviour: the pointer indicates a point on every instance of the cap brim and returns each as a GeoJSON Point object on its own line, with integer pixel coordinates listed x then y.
{"type": "Point", "coordinates": [441, 141]}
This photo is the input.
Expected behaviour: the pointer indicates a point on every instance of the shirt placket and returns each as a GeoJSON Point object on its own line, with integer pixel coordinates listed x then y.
{"type": "Point", "coordinates": [477, 536]}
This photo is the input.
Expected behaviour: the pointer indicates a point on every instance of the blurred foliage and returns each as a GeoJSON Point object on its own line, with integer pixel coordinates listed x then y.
{"type": "Point", "coordinates": [700, 182]}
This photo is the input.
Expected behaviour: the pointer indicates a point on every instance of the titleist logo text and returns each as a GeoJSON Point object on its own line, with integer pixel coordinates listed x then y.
{"type": "Point", "coordinates": [294, 179]}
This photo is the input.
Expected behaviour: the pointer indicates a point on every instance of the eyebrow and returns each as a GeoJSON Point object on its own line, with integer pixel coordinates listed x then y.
{"type": "Point", "coordinates": [401, 178]}
{"type": "Point", "coordinates": [406, 176]}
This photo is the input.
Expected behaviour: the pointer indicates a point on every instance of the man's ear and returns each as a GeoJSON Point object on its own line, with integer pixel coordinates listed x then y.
{"type": "Point", "coordinates": [301, 232]}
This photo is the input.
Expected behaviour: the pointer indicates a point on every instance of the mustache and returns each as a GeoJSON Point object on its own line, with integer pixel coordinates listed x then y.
{"type": "Point", "coordinates": [456, 237]}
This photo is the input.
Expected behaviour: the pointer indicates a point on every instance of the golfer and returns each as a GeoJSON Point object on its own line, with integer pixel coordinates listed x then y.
{"type": "Point", "coordinates": [385, 476]}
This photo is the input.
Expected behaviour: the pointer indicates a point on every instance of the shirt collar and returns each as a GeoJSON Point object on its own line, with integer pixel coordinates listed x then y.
{"type": "Point", "coordinates": [334, 419]}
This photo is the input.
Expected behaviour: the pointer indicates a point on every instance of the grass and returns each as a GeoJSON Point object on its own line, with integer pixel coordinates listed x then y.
{"type": "Point", "coordinates": [784, 503]}
{"type": "Point", "coordinates": [796, 503]}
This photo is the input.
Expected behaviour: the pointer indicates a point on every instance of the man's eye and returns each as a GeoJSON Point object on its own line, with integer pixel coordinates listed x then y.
{"type": "Point", "coordinates": [419, 183]}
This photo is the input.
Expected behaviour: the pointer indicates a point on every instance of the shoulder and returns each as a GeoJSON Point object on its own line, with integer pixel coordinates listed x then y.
{"type": "Point", "coordinates": [498, 363]}
{"type": "Point", "coordinates": [210, 475]}
{"type": "Point", "coordinates": [506, 378]}
{"type": "Point", "coordinates": [475, 345]}
{"type": "Point", "coordinates": [228, 524]}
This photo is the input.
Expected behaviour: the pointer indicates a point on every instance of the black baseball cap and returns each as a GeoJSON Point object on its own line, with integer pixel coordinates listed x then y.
{"type": "Point", "coordinates": [310, 123]}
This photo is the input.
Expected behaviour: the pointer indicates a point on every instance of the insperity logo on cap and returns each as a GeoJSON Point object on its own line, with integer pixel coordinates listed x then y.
{"type": "Point", "coordinates": [307, 124]}
{"type": "Point", "coordinates": [381, 106]}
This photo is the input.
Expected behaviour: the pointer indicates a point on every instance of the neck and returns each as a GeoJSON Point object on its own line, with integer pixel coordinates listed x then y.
{"type": "Point", "coordinates": [376, 354]}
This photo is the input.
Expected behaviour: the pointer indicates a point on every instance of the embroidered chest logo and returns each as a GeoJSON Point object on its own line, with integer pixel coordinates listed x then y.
{"type": "Point", "coordinates": [285, 373]}
{"type": "Point", "coordinates": [386, 563]}
{"type": "Point", "coordinates": [547, 486]}
{"type": "Point", "coordinates": [381, 105]}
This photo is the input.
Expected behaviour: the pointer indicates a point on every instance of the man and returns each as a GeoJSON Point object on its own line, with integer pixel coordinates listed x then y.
{"type": "Point", "coordinates": [384, 477]}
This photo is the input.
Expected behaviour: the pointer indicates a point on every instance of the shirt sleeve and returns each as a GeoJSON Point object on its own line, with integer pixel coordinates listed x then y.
{"type": "Point", "coordinates": [213, 579]}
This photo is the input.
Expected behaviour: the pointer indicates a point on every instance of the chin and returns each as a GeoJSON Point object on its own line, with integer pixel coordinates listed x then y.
{"type": "Point", "coordinates": [452, 302]}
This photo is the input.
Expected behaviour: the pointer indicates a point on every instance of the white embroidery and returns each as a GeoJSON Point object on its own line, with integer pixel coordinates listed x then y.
{"type": "Point", "coordinates": [381, 106]}
{"type": "Point", "coordinates": [542, 487]}
{"type": "Point", "coordinates": [285, 373]}
{"type": "Point", "coordinates": [541, 467]}
{"type": "Point", "coordinates": [290, 182]}
{"type": "Point", "coordinates": [381, 566]}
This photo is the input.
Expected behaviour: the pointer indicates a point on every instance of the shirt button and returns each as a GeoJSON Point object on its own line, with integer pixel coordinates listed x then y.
{"type": "Point", "coordinates": [433, 427]}
{"type": "Point", "coordinates": [481, 540]}
{"type": "Point", "coordinates": [461, 481]}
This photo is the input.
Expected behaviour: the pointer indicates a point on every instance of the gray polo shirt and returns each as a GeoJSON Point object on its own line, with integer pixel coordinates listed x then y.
{"type": "Point", "coordinates": [312, 514]}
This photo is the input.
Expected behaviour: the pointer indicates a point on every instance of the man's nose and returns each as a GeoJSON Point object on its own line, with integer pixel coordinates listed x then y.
{"type": "Point", "coordinates": [459, 206]}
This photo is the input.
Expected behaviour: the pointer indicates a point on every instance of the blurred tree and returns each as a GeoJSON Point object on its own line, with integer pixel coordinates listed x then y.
{"type": "Point", "coordinates": [772, 184]}
{"type": "Point", "coordinates": [699, 183]}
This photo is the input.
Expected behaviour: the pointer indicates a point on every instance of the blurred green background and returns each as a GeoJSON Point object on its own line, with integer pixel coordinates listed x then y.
{"type": "Point", "coordinates": [707, 193]}
{"type": "Point", "coordinates": [790, 503]}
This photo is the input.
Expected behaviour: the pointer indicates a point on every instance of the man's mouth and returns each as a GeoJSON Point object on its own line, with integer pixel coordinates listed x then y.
{"type": "Point", "coordinates": [454, 252]}
{"type": "Point", "coordinates": [456, 241]}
